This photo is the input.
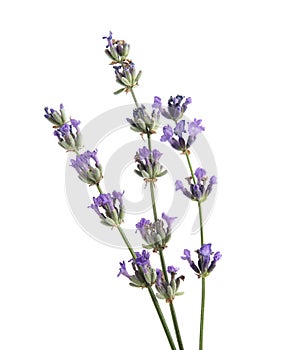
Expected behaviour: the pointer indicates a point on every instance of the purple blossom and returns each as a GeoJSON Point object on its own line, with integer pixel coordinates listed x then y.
{"type": "Point", "coordinates": [159, 277]}
{"type": "Point", "coordinates": [169, 220]}
{"type": "Point", "coordinates": [109, 39]}
{"type": "Point", "coordinates": [156, 154]}
{"type": "Point", "coordinates": [118, 196]}
{"type": "Point", "coordinates": [199, 173]}
{"type": "Point", "coordinates": [123, 271]}
{"type": "Point", "coordinates": [179, 185]}
{"type": "Point", "coordinates": [180, 138]}
{"type": "Point", "coordinates": [65, 129]}
{"type": "Point", "coordinates": [187, 255]}
{"type": "Point", "coordinates": [143, 259]}
{"type": "Point", "coordinates": [107, 209]}
{"type": "Point", "coordinates": [148, 163]}
{"type": "Point", "coordinates": [176, 107]}
{"type": "Point", "coordinates": [75, 124]}
{"type": "Point", "coordinates": [144, 153]}
{"type": "Point", "coordinates": [205, 250]}
{"type": "Point", "coordinates": [213, 180]}
{"type": "Point", "coordinates": [180, 128]}
{"type": "Point", "coordinates": [197, 191]}
{"type": "Point", "coordinates": [87, 172]}
{"type": "Point", "coordinates": [172, 269]}
{"type": "Point", "coordinates": [157, 103]}
{"type": "Point", "coordinates": [205, 262]}
{"type": "Point", "coordinates": [168, 133]}
{"type": "Point", "coordinates": [142, 223]}
{"type": "Point", "coordinates": [195, 127]}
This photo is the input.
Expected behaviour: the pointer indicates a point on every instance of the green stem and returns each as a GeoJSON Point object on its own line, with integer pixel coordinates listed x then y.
{"type": "Point", "coordinates": [174, 317]}
{"type": "Point", "coordinates": [153, 201]}
{"type": "Point", "coordinates": [152, 294]}
{"type": "Point", "coordinates": [99, 188]}
{"type": "Point", "coordinates": [202, 314]}
{"type": "Point", "coordinates": [162, 318]}
{"type": "Point", "coordinates": [126, 241]}
{"type": "Point", "coordinates": [190, 168]}
{"type": "Point", "coordinates": [201, 223]}
{"type": "Point", "coordinates": [172, 308]}
{"type": "Point", "coordinates": [134, 98]}
{"type": "Point", "coordinates": [163, 264]}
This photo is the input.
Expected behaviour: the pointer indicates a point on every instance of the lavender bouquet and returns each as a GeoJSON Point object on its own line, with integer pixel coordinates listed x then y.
{"type": "Point", "coordinates": [163, 282]}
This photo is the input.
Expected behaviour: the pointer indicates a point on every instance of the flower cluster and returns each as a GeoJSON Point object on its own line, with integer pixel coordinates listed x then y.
{"type": "Point", "coordinates": [143, 122]}
{"type": "Point", "coordinates": [148, 165]}
{"type": "Point", "coordinates": [205, 264]}
{"type": "Point", "coordinates": [181, 138]}
{"type": "Point", "coordinates": [176, 107]}
{"type": "Point", "coordinates": [67, 132]}
{"type": "Point", "coordinates": [113, 208]}
{"type": "Point", "coordinates": [88, 167]}
{"type": "Point", "coordinates": [155, 234]}
{"type": "Point", "coordinates": [117, 50]}
{"type": "Point", "coordinates": [144, 274]}
{"type": "Point", "coordinates": [124, 68]}
{"type": "Point", "coordinates": [168, 290]}
{"type": "Point", "coordinates": [197, 189]}
{"type": "Point", "coordinates": [54, 117]}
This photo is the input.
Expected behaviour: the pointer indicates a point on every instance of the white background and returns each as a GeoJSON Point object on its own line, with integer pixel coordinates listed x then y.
{"type": "Point", "coordinates": [58, 286]}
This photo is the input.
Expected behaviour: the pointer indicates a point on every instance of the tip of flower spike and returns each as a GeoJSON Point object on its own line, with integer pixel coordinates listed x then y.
{"type": "Point", "coordinates": [61, 106]}
{"type": "Point", "coordinates": [172, 269]}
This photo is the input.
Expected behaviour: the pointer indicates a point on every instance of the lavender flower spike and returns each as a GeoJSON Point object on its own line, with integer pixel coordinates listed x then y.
{"type": "Point", "coordinates": [205, 262]}
{"type": "Point", "coordinates": [198, 190]}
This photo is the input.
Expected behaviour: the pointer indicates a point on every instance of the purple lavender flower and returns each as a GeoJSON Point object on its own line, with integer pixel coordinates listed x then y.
{"type": "Point", "coordinates": [88, 172]}
{"type": "Point", "coordinates": [126, 75]}
{"type": "Point", "coordinates": [148, 165]}
{"type": "Point", "coordinates": [144, 153]}
{"type": "Point", "coordinates": [180, 128]}
{"type": "Point", "coordinates": [180, 138]}
{"type": "Point", "coordinates": [159, 277]}
{"type": "Point", "coordinates": [155, 234]}
{"type": "Point", "coordinates": [205, 262]}
{"type": "Point", "coordinates": [144, 123]}
{"type": "Point", "coordinates": [195, 127]}
{"type": "Point", "coordinates": [144, 274]}
{"type": "Point", "coordinates": [109, 39]}
{"type": "Point", "coordinates": [56, 118]}
{"type": "Point", "coordinates": [67, 132]}
{"type": "Point", "coordinates": [176, 107]}
{"type": "Point", "coordinates": [143, 259]}
{"type": "Point", "coordinates": [157, 103]}
{"type": "Point", "coordinates": [168, 133]}
{"type": "Point", "coordinates": [198, 190]}
{"type": "Point", "coordinates": [169, 220]}
{"type": "Point", "coordinates": [168, 290]}
{"type": "Point", "coordinates": [111, 213]}
{"type": "Point", "coordinates": [123, 270]}
{"type": "Point", "coordinates": [172, 269]}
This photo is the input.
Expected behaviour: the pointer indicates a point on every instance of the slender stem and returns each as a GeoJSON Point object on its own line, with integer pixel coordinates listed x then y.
{"type": "Point", "coordinates": [190, 167]}
{"type": "Point", "coordinates": [202, 314]}
{"type": "Point", "coordinates": [163, 264]}
{"type": "Point", "coordinates": [134, 97]}
{"type": "Point", "coordinates": [99, 188]}
{"type": "Point", "coordinates": [201, 223]}
{"type": "Point", "coordinates": [153, 201]}
{"type": "Point", "coordinates": [162, 319]}
{"type": "Point", "coordinates": [162, 259]}
{"type": "Point", "coordinates": [126, 241]}
{"type": "Point", "coordinates": [172, 308]}
{"type": "Point", "coordinates": [152, 294]}
{"type": "Point", "coordinates": [174, 317]}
